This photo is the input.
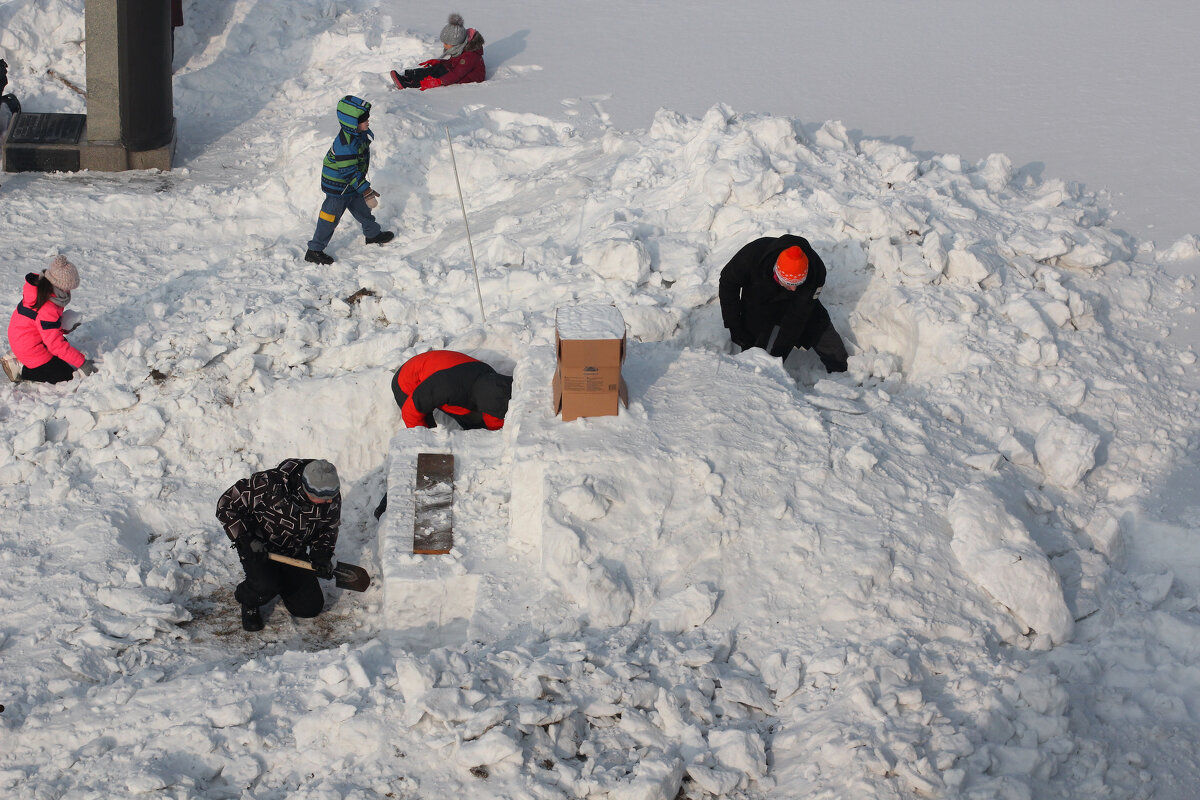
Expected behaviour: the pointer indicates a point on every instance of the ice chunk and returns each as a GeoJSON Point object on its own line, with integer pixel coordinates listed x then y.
{"type": "Point", "coordinates": [684, 610]}
{"type": "Point", "coordinates": [1065, 451]}
{"type": "Point", "coordinates": [739, 749]}
{"type": "Point", "coordinates": [491, 748]}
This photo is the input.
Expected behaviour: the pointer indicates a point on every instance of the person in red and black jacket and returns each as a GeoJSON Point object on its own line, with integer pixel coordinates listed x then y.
{"type": "Point", "coordinates": [770, 288]}
{"type": "Point", "coordinates": [292, 510]}
{"type": "Point", "coordinates": [461, 60]}
{"type": "Point", "coordinates": [467, 389]}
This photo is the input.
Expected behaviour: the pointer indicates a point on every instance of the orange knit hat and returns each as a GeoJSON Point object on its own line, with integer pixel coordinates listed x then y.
{"type": "Point", "coordinates": [791, 267]}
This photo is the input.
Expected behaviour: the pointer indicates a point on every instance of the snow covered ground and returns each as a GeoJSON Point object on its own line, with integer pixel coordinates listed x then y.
{"type": "Point", "coordinates": [968, 568]}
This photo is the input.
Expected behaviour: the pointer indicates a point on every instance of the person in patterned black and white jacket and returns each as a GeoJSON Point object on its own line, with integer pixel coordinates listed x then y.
{"type": "Point", "coordinates": [292, 510]}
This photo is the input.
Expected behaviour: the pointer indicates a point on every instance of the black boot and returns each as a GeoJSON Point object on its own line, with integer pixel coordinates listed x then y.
{"type": "Point", "coordinates": [383, 237]}
{"type": "Point", "coordinates": [252, 620]}
{"type": "Point", "coordinates": [318, 257]}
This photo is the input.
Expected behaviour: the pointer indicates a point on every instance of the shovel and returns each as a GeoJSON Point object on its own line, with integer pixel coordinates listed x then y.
{"type": "Point", "coordinates": [348, 576]}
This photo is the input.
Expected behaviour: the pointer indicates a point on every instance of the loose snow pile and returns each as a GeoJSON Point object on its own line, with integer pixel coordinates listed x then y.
{"type": "Point", "coordinates": [937, 575]}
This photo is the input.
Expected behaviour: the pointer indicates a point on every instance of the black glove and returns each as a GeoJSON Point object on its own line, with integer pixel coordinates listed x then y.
{"type": "Point", "coordinates": [10, 100]}
{"type": "Point", "coordinates": [250, 548]}
{"type": "Point", "coordinates": [323, 566]}
{"type": "Point", "coordinates": [741, 337]}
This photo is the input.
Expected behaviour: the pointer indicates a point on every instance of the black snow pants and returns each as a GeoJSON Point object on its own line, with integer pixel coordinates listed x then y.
{"type": "Point", "coordinates": [819, 334]}
{"type": "Point", "coordinates": [411, 78]}
{"type": "Point", "coordinates": [265, 580]}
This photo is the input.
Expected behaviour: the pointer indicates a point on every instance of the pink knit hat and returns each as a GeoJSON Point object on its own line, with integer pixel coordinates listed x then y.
{"type": "Point", "coordinates": [62, 274]}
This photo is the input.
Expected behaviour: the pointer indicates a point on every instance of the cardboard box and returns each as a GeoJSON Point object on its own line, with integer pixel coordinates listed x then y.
{"type": "Point", "coordinates": [589, 343]}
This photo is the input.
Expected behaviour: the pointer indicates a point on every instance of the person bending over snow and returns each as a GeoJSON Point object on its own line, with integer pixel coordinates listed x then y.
{"type": "Point", "coordinates": [464, 388]}
{"type": "Point", "coordinates": [769, 292]}
{"type": "Point", "coordinates": [467, 389]}
{"type": "Point", "coordinates": [36, 330]}
{"type": "Point", "coordinates": [461, 60]}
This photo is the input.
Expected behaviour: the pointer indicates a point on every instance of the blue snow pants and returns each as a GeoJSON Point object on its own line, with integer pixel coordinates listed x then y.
{"type": "Point", "coordinates": [331, 214]}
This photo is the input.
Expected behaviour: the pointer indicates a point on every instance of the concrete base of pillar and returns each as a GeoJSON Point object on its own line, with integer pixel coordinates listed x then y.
{"type": "Point", "coordinates": [27, 156]}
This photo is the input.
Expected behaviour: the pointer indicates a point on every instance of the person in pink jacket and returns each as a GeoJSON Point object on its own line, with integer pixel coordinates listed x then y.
{"type": "Point", "coordinates": [40, 350]}
{"type": "Point", "coordinates": [461, 60]}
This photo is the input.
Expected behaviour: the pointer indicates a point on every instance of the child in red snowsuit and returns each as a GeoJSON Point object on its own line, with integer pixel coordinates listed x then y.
{"type": "Point", "coordinates": [461, 60]}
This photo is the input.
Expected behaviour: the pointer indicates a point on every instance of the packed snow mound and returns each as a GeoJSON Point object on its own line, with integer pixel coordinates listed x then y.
{"type": "Point", "coordinates": [777, 592]}
{"type": "Point", "coordinates": [996, 550]}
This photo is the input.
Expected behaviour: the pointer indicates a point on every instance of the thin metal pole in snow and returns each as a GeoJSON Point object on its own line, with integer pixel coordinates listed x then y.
{"type": "Point", "coordinates": [463, 205]}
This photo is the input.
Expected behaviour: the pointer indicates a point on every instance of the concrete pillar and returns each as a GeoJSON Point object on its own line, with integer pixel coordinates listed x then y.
{"type": "Point", "coordinates": [129, 122]}
{"type": "Point", "coordinates": [100, 25]}
{"type": "Point", "coordinates": [128, 75]}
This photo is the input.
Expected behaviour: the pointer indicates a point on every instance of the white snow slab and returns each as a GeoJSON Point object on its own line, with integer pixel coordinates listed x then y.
{"type": "Point", "coordinates": [480, 589]}
{"type": "Point", "coordinates": [429, 597]}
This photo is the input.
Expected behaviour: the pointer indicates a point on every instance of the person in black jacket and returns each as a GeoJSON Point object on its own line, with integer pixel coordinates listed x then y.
{"type": "Point", "coordinates": [292, 510]}
{"type": "Point", "coordinates": [8, 101]}
{"type": "Point", "coordinates": [769, 292]}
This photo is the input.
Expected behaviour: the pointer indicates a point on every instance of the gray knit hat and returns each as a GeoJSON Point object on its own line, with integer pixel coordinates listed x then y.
{"type": "Point", "coordinates": [320, 479]}
{"type": "Point", "coordinates": [62, 274]}
{"type": "Point", "coordinates": [454, 33]}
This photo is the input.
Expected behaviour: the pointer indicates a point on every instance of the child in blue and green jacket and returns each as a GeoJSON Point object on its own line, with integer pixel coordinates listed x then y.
{"type": "Point", "coordinates": [344, 181]}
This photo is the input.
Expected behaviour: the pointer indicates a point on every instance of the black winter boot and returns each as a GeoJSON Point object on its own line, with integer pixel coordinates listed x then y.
{"type": "Point", "coordinates": [252, 620]}
{"type": "Point", "coordinates": [318, 257]}
{"type": "Point", "coordinates": [382, 237]}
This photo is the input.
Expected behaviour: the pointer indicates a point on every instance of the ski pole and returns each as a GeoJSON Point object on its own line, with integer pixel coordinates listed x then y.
{"type": "Point", "coordinates": [462, 204]}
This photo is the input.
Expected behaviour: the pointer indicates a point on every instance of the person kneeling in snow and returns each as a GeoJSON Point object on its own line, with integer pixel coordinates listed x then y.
{"type": "Point", "coordinates": [467, 389]}
{"type": "Point", "coordinates": [769, 292]}
{"type": "Point", "coordinates": [9, 104]}
{"type": "Point", "coordinates": [461, 60]}
{"type": "Point", "coordinates": [292, 510]}
{"type": "Point", "coordinates": [344, 181]}
{"type": "Point", "coordinates": [41, 351]}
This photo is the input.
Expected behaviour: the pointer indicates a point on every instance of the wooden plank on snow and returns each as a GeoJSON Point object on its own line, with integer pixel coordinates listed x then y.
{"type": "Point", "coordinates": [433, 518]}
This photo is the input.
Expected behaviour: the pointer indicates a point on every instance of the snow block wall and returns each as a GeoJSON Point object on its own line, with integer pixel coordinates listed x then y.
{"type": "Point", "coordinates": [432, 599]}
{"type": "Point", "coordinates": [428, 598]}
